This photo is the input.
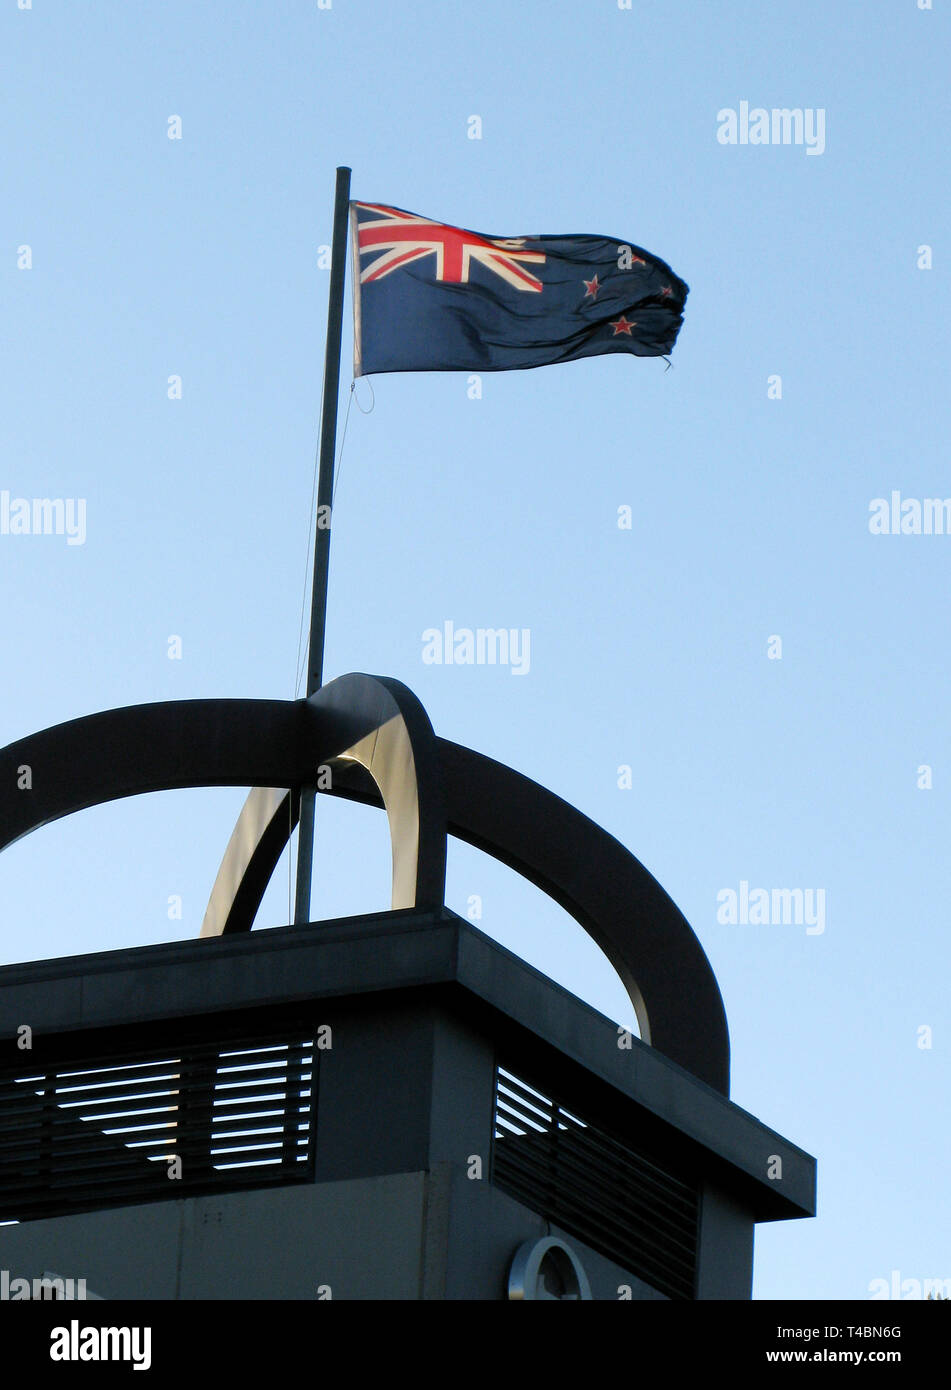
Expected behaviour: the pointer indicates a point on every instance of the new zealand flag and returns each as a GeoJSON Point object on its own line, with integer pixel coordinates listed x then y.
{"type": "Point", "coordinates": [429, 297]}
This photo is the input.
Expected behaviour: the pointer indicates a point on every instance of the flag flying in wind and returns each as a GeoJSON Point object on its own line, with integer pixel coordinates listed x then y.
{"type": "Point", "coordinates": [430, 297]}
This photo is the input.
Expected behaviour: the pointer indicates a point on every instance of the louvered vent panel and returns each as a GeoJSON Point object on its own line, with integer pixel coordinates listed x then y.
{"type": "Point", "coordinates": [595, 1185]}
{"type": "Point", "coordinates": [105, 1131]}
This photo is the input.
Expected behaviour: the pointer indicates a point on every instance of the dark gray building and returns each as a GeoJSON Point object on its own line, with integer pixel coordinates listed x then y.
{"type": "Point", "coordinates": [382, 1107]}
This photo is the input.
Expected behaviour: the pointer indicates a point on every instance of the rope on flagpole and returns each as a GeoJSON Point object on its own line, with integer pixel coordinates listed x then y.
{"type": "Point", "coordinates": [298, 665]}
{"type": "Point", "coordinates": [343, 439]}
{"type": "Point", "coordinates": [306, 587]}
{"type": "Point", "coordinates": [372, 398]}
{"type": "Point", "coordinates": [310, 529]}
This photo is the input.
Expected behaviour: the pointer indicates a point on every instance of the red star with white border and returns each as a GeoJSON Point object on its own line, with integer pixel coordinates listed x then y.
{"type": "Point", "coordinates": [591, 288]}
{"type": "Point", "coordinates": [622, 325]}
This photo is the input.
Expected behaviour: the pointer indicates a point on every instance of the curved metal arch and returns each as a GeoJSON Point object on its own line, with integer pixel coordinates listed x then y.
{"type": "Point", "coordinates": [585, 870]}
{"type": "Point", "coordinates": [394, 744]}
{"type": "Point", "coordinates": [378, 724]}
{"type": "Point", "coordinates": [607, 890]}
{"type": "Point", "coordinates": [374, 727]}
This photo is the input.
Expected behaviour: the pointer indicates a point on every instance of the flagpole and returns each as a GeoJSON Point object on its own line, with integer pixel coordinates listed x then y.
{"type": "Point", "coordinates": [325, 481]}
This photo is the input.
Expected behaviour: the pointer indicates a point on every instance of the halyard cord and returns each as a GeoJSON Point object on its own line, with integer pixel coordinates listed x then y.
{"type": "Point", "coordinates": [310, 523]}
{"type": "Point", "coordinates": [303, 603]}
{"type": "Point", "coordinates": [300, 643]}
{"type": "Point", "coordinates": [313, 507]}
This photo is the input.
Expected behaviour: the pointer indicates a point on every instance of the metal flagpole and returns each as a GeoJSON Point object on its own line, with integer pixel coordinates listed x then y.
{"type": "Point", "coordinates": [325, 481]}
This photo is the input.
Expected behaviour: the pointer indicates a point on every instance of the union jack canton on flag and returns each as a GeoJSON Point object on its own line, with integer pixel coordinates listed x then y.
{"type": "Point", "coordinates": [430, 297]}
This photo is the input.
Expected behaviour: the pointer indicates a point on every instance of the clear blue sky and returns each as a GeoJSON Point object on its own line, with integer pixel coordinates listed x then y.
{"type": "Point", "coordinates": [199, 258]}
